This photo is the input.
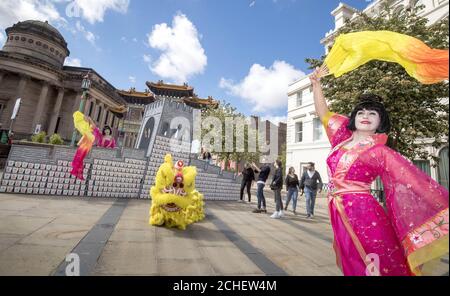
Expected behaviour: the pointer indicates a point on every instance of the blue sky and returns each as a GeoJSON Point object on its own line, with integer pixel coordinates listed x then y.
{"type": "Point", "coordinates": [241, 51]}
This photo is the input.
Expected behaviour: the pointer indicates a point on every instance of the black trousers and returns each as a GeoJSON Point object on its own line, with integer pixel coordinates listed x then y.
{"type": "Point", "coordinates": [247, 184]}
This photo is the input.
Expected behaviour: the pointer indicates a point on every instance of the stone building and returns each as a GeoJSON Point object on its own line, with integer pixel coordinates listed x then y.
{"type": "Point", "coordinates": [129, 126]}
{"type": "Point", "coordinates": [159, 91]}
{"type": "Point", "coordinates": [32, 68]}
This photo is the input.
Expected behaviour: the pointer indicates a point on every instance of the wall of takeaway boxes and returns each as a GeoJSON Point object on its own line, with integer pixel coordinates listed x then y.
{"type": "Point", "coordinates": [45, 170]}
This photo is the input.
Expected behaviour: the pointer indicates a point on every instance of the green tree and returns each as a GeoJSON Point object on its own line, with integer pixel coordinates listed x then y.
{"type": "Point", "coordinates": [416, 110]}
{"type": "Point", "coordinates": [223, 111]}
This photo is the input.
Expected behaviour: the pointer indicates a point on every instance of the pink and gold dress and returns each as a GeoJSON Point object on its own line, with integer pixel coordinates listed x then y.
{"type": "Point", "coordinates": [102, 141]}
{"type": "Point", "coordinates": [85, 145]}
{"type": "Point", "coordinates": [369, 240]}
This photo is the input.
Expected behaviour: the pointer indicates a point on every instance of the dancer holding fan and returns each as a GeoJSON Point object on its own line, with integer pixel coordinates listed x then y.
{"type": "Point", "coordinates": [90, 133]}
{"type": "Point", "coordinates": [367, 239]}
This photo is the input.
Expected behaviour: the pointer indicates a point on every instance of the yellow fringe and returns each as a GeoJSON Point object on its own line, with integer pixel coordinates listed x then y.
{"type": "Point", "coordinates": [426, 254]}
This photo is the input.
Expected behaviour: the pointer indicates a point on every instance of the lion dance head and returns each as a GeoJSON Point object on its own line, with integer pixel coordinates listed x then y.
{"type": "Point", "coordinates": [175, 201]}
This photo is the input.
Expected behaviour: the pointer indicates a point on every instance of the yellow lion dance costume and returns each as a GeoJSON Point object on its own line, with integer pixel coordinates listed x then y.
{"type": "Point", "coordinates": [175, 201]}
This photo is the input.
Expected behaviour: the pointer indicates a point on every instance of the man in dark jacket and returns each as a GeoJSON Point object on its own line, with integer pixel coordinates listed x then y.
{"type": "Point", "coordinates": [264, 172]}
{"type": "Point", "coordinates": [310, 183]}
{"type": "Point", "coordinates": [248, 176]}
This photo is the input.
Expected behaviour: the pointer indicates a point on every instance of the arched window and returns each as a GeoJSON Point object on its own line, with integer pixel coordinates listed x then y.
{"type": "Point", "coordinates": [443, 167]}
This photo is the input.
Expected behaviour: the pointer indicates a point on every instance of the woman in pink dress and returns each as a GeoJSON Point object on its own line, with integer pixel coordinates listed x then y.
{"type": "Point", "coordinates": [104, 139]}
{"type": "Point", "coordinates": [369, 240]}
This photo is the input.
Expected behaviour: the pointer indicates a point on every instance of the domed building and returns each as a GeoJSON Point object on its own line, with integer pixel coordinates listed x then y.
{"type": "Point", "coordinates": [32, 68]}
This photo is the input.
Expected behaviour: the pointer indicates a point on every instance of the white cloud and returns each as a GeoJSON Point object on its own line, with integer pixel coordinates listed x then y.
{"type": "Point", "coordinates": [13, 11]}
{"type": "Point", "coordinates": [73, 62]}
{"type": "Point", "coordinates": [182, 54]}
{"type": "Point", "coordinates": [124, 39]}
{"type": "Point", "coordinates": [147, 58]}
{"type": "Point", "coordinates": [265, 89]}
{"type": "Point", "coordinates": [87, 34]}
{"type": "Point", "coordinates": [135, 40]}
{"type": "Point", "coordinates": [94, 11]}
{"type": "Point", "coordinates": [132, 79]}
{"type": "Point", "coordinates": [252, 4]}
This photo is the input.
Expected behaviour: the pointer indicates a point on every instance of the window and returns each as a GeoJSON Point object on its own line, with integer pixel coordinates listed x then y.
{"type": "Point", "coordinates": [303, 168]}
{"type": "Point", "coordinates": [106, 117]}
{"type": "Point", "coordinates": [298, 132]}
{"type": "Point", "coordinates": [113, 121]}
{"type": "Point", "coordinates": [317, 129]}
{"type": "Point", "coordinates": [443, 167]}
{"type": "Point", "coordinates": [90, 108]}
{"type": "Point", "coordinates": [423, 165]}
{"type": "Point", "coordinates": [299, 98]}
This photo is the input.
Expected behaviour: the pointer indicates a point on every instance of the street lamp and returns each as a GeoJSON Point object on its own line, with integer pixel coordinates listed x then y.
{"type": "Point", "coordinates": [85, 86]}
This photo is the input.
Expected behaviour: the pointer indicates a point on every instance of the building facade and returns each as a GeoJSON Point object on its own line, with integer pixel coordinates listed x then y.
{"type": "Point", "coordinates": [306, 138]}
{"type": "Point", "coordinates": [131, 123]}
{"type": "Point", "coordinates": [32, 68]}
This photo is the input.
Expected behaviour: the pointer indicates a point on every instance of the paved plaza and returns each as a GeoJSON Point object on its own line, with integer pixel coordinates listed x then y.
{"type": "Point", "coordinates": [112, 237]}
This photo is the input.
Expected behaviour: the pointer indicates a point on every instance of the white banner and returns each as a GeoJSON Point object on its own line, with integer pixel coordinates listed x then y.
{"type": "Point", "coordinates": [16, 108]}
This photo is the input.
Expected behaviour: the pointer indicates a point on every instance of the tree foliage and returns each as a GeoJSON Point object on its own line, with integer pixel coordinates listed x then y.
{"type": "Point", "coordinates": [417, 111]}
{"type": "Point", "coordinates": [223, 111]}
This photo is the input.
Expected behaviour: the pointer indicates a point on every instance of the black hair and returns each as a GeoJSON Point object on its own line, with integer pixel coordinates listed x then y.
{"type": "Point", "coordinates": [107, 128]}
{"type": "Point", "coordinates": [312, 164]}
{"type": "Point", "coordinates": [279, 163]}
{"type": "Point", "coordinates": [371, 102]}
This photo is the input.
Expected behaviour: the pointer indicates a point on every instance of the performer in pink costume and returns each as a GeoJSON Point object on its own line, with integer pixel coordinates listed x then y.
{"type": "Point", "coordinates": [90, 133]}
{"type": "Point", "coordinates": [369, 240]}
{"type": "Point", "coordinates": [104, 138]}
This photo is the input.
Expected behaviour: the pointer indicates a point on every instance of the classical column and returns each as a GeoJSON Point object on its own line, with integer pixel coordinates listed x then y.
{"type": "Point", "coordinates": [110, 120]}
{"type": "Point", "coordinates": [55, 112]}
{"type": "Point", "coordinates": [38, 114]}
{"type": "Point", "coordinates": [77, 101]}
{"type": "Point", "coordinates": [88, 106]}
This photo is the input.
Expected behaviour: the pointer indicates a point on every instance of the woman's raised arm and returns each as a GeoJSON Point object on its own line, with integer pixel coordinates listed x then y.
{"type": "Point", "coordinates": [319, 99]}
